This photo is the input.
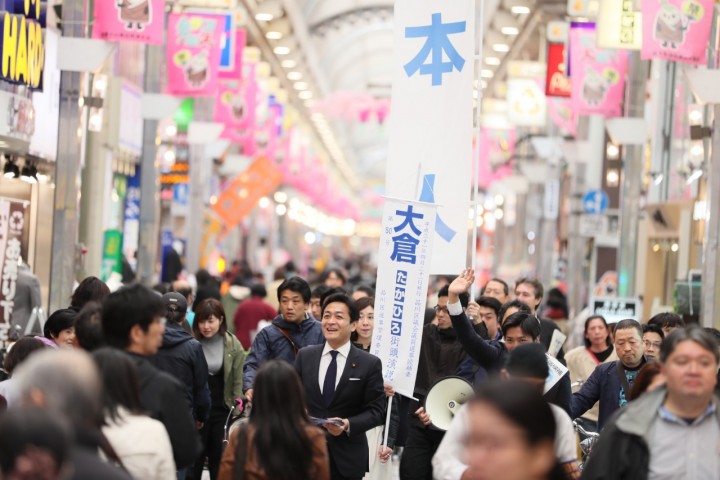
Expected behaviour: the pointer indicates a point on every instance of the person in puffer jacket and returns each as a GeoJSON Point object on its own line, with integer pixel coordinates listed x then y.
{"type": "Point", "coordinates": [290, 331]}
{"type": "Point", "coordinates": [182, 356]}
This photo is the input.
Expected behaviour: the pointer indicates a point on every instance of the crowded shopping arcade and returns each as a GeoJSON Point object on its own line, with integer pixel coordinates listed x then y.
{"type": "Point", "coordinates": [360, 239]}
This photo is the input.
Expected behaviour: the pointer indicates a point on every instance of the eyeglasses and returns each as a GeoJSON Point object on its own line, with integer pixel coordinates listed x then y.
{"type": "Point", "coordinates": [440, 308]}
{"type": "Point", "coordinates": [655, 345]}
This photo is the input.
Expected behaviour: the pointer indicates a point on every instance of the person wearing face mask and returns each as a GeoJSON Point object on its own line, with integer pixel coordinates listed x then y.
{"type": "Point", "coordinates": [610, 382]}
{"type": "Point", "coordinates": [225, 356]}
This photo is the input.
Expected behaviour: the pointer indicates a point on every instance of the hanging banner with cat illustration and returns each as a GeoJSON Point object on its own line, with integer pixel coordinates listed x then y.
{"type": "Point", "coordinates": [597, 75]}
{"type": "Point", "coordinates": [129, 21]}
{"type": "Point", "coordinates": [677, 30]}
{"type": "Point", "coordinates": [193, 54]}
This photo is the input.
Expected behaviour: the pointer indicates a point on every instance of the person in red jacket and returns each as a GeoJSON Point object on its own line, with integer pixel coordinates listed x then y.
{"type": "Point", "coordinates": [250, 312]}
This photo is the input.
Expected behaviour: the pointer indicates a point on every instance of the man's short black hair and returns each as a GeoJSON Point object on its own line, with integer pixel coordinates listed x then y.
{"type": "Point", "coordinates": [506, 287]}
{"type": "Point", "coordinates": [259, 290]}
{"type": "Point", "coordinates": [667, 320]}
{"type": "Point", "coordinates": [297, 285]}
{"type": "Point", "coordinates": [629, 323]}
{"type": "Point", "coordinates": [88, 327]}
{"type": "Point", "coordinates": [333, 291]}
{"type": "Point", "coordinates": [365, 288]}
{"type": "Point", "coordinates": [653, 329]}
{"type": "Point", "coordinates": [533, 282]}
{"type": "Point", "coordinates": [464, 297]}
{"type": "Point", "coordinates": [528, 323]}
{"type": "Point", "coordinates": [490, 302]}
{"type": "Point", "coordinates": [342, 298]}
{"type": "Point", "coordinates": [522, 307]}
{"type": "Point", "coordinates": [320, 291]}
{"type": "Point", "coordinates": [127, 307]}
{"type": "Point", "coordinates": [693, 333]}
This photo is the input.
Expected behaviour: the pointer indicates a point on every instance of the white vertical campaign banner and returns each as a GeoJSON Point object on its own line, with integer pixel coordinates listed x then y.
{"type": "Point", "coordinates": [406, 245]}
{"type": "Point", "coordinates": [431, 124]}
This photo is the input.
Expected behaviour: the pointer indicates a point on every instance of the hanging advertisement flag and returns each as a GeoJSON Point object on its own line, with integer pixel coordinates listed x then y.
{"type": "Point", "coordinates": [619, 25]}
{"type": "Point", "coordinates": [243, 193]}
{"type": "Point", "coordinates": [231, 64]}
{"type": "Point", "coordinates": [212, 228]}
{"type": "Point", "coordinates": [431, 127]}
{"type": "Point", "coordinates": [230, 104]}
{"type": "Point", "coordinates": [404, 257]}
{"type": "Point", "coordinates": [598, 76]}
{"type": "Point", "coordinates": [129, 21]}
{"type": "Point", "coordinates": [677, 30]}
{"type": "Point", "coordinates": [193, 54]}
{"type": "Point", "coordinates": [557, 83]}
{"type": "Point", "coordinates": [12, 243]}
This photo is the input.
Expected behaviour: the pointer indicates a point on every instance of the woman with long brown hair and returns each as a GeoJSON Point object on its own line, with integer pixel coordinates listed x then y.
{"type": "Point", "coordinates": [279, 442]}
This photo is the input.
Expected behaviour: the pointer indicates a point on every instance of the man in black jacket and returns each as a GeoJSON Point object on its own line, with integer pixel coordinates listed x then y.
{"type": "Point", "coordinates": [344, 385]}
{"type": "Point", "coordinates": [133, 320]}
{"type": "Point", "coordinates": [182, 356]}
{"type": "Point", "coordinates": [441, 353]}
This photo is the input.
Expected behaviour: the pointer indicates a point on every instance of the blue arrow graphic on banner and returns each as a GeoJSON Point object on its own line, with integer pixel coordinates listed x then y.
{"type": "Point", "coordinates": [428, 195]}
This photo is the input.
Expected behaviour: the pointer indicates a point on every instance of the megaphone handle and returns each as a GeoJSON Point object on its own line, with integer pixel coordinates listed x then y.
{"type": "Point", "coordinates": [387, 421]}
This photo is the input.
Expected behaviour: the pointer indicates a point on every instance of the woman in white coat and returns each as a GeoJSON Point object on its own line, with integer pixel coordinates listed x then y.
{"type": "Point", "coordinates": [141, 443]}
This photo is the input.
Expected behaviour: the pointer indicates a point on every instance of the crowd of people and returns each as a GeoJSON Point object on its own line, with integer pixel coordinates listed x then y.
{"type": "Point", "coordinates": [247, 380]}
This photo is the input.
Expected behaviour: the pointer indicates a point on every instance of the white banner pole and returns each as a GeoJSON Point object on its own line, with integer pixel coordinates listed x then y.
{"type": "Point", "coordinates": [387, 423]}
{"type": "Point", "coordinates": [476, 150]}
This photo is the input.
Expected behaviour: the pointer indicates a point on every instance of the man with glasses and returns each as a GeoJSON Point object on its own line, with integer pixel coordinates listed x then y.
{"type": "Point", "coordinates": [290, 331]}
{"type": "Point", "coordinates": [653, 337]}
{"type": "Point", "coordinates": [440, 355]}
{"type": "Point", "coordinates": [610, 383]}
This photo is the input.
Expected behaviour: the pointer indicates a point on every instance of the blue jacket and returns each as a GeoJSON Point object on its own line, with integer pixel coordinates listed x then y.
{"type": "Point", "coordinates": [270, 344]}
{"type": "Point", "coordinates": [603, 385]}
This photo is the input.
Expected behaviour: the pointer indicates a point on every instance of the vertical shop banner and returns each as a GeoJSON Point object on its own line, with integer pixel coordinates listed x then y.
{"type": "Point", "coordinates": [131, 225]}
{"type": "Point", "coordinates": [212, 228]}
{"type": "Point", "coordinates": [557, 83]}
{"type": "Point", "coordinates": [129, 21]}
{"type": "Point", "coordinates": [12, 225]}
{"type": "Point", "coordinates": [406, 247]}
{"type": "Point", "coordinates": [112, 254]}
{"type": "Point", "coordinates": [619, 25]}
{"type": "Point", "coordinates": [431, 127]}
{"type": "Point", "coordinates": [597, 75]}
{"type": "Point", "coordinates": [527, 104]}
{"type": "Point", "coordinates": [243, 193]}
{"type": "Point", "coordinates": [193, 53]}
{"type": "Point", "coordinates": [677, 30]}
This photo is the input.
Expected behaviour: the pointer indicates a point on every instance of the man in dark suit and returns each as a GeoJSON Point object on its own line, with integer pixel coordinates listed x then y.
{"type": "Point", "coordinates": [343, 384]}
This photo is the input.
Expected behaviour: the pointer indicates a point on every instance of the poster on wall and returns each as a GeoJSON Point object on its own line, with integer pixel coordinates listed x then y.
{"type": "Point", "coordinates": [677, 30]}
{"type": "Point", "coordinates": [193, 54]}
{"type": "Point", "coordinates": [129, 21]}
{"type": "Point", "coordinates": [13, 242]}
{"type": "Point", "coordinates": [597, 75]}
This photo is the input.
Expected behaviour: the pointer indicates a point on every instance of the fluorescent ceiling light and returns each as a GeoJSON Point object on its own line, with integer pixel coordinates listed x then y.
{"type": "Point", "coordinates": [486, 73]}
{"type": "Point", "coordinates": [273, 35]}
{"type": "Point", "coordinates": [281, 50]}
{"type": "Point", "coordinates": [494, 61]}
{"type": "Point", "coordinates": [305, 95]}
{"type": "Point", "coordinates": [300, 85]}
{"type": "Point", "coordinates": [520, 10]}
{"type": "Point", "coordinates": [509, 30]}
{"type": "Point", "coordinates": [289, 63]}
{"type": "Point", "coordinates": [263, 17]}
{"type": "Point", "coordinates": [501, 48]}
{"type": "Point", "coordinates": [294, 75]}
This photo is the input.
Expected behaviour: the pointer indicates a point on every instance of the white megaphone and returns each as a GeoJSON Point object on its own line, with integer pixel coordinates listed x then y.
{"type": "Point", "coordinates": [444, 400]}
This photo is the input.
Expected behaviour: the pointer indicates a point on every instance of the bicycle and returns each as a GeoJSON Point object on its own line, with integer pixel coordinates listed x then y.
{"type": "Point", "coordinates": [587, 444]}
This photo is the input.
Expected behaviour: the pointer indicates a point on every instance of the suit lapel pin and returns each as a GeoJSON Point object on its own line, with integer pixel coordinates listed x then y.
{"type": "Point", "coordinates": [353, 365]}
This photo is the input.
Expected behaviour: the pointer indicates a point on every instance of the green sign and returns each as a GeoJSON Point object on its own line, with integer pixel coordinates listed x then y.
{"type": "Point", "coordinates": [112, 254]}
